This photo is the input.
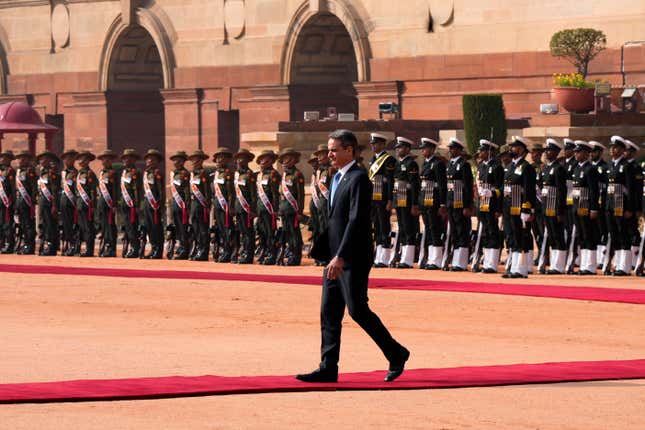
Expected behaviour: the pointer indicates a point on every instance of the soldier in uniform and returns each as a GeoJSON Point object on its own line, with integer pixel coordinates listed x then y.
{"type": "Point", "coordinates": [223, 192]}
{"type": "Point", "coordinates": [554, 206]}
{"type": "Point", "coordinates": [246, 200]}
{"type": "Point", "coordinates": [292, 196]}
{"type": "Point", "coordinates": [130, 200]}
{"type": "Point", "coordinates": [636, 177]}
{"type": "Point", "coordinates": [405, 195]}
{"type": "Point", "coordinates": [7, 202]}
{"type": "Point", "coordinates": [200, 206]}
{"type": "Point", "coordinates": [48, 185]}
{"type": "Point", "coordinates": [519, 207]}
{"type": "Point", "coordinates": [432, 203]}
{"type": "Point", "coordinates": [538, 225]}
{"type": "Point", "coordinates": [490, 183]}
{"type": "Point", "coordinates": [154, 190]}
{"type": "Point", "coordinates": [569, 162]}
{"type": "Point", "coordinates": [585, 203]}
{"type": "Point", "coordinates": [26, 189]}
{"type": "Point", "coordinates": [315, 206]}
{"type": "Point", "coordinates": [603, 173]}
{"type": "Point", "coordinates": [68, 210]}
{"type": "Point", "coordinates": [108, 184]}
{"type": "Point", "coordinates": [459, 201]}
{"type": "Point", "coordinates": [268, 183]}
{"type": "Point", "coordinates": [324, 175]}
{"type": "Point", "coordinates": [179, 203]}
{"type": "Point", "coordinates": [381, 173]}
{"type": "Point", "coordinates": [86, 183]}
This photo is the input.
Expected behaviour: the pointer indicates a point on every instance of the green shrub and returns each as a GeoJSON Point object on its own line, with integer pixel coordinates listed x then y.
{"type": "Point", "coordinates": [484, 118]}
{"type": "Point", "coordinates": [578, 46]}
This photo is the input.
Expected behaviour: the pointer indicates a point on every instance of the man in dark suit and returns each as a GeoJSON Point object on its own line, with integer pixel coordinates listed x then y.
{"type": "Point", "coordinates": [347, 245]}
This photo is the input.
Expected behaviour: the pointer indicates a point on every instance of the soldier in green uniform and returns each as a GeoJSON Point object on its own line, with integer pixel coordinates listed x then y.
{"type": "Point", "coordinates": [490, 184]}
{"type": "Point", "coordinates": [292, 197]}
{"type": "Point", "coordinates": [268, 184]}
{"type": "Point", "coordinates": [519, 207]}
{"type": "Point", "coordinates": [246, 200]}
{"type": "Point", "coordinates": [179, 203]}
{"type": "Point", "coordinates": [86, 183]}
{"type": "Point", "coordinates": [26, 189]}
{"type": "Point", "coordinates": [223, 192]}
{"type": "Point", "coordinates": [48, 197]}
{"type": "Point", "coordinates": [381, 174]}
{"type": "Point", "coordinates": [130, 200]}
{"type": "Point", "coordinates": [459, 201]}
{"type": "Point", "coordinates": [154, 191]}
{"type": "Point", "coordinates": [603, 173]}
{"type": "Point", "coordinates": [67, 207]}
{"type": "Point", "coordinates": [108, 184]}
{"type": "Point", "coordinates": [200, 206]}
{"type": "Point", "coordinates": [7, 202]}
{"type": "Point", "coordinates": [405, 195]}
{"type": "Point", "coordinates": [315, 206]}
{"type": "Point", "coordinates": [324, 175]}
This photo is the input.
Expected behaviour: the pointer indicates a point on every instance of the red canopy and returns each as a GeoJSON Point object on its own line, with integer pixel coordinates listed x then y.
{"type": "Point", "coordinates": [19, 117]}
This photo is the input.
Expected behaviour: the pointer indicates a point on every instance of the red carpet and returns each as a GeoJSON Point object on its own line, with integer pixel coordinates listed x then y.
{"type": "Point", "coordinates": [617, 295]}
{"type": "Point", "coordinates": [179, 386]}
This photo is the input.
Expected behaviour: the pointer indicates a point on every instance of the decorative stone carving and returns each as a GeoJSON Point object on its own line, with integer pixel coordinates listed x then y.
{"type": "Point", "coordinates": [234, 19]}
{"type": "Point", "coordinates": [442, 11]}
{"type": "Point", "coordinates": [60, 26]}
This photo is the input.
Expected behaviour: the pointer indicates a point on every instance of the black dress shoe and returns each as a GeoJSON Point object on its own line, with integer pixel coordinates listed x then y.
{"type": "Point", "coordinates": [403, 266]}
{"type": "Point", "coordinates": [553, 272]}
{"type": "Point", "coordinates": [380, 265]}
{"type": "Point", "coordinates": [489, 270]}
{"type": "Point", "coordinates": [319, 375]}
{"type": "Point", "coordinates": [620, 273]}
{"type": "Point", "coordinates": [457, 269]}
{"type": "Point", "coordinates": [586, 272]}
{"type": "Point", "coordinates": [431, 267]}
{"type": "Point", "coordinates": [517, 276]}
{"type": "Point", "coordinates": [396, 367]}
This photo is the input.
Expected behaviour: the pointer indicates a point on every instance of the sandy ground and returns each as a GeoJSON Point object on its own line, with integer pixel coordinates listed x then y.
{"type": "Point", "coordinates": [57, 328]}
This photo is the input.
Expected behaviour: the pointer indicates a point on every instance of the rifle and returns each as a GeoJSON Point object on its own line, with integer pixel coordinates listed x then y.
{"type": "Point", "coordinates": [126, 243]}
{"type": "Point", "coordinates": [422, 248]}
{"type": "Point", "coordinates": [475, 260]}
{"type": "Point", "coordinates": [447, 248]}
{"type": "Point", "coordinates": [606, 264]}
{"type": "Point", "coordinates": [542, 258]}
{"type": "Point", "coordinates": [143, 240]}
{"type": "Point", "coordinates": [639, 262]}
{"type": "Point", "coordinates": [571, 258]}
{"type": "Point", "coordinates": [393, 257]}
{"type": "Point", "coordinates": [171, 239]}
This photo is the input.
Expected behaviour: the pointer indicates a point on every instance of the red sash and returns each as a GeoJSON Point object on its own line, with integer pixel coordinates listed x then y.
{"type": "Point", "coordinates": [151, 199]}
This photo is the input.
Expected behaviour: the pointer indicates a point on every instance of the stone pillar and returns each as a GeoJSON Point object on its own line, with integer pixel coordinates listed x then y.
{"type": "Point", "coordinates": [370, 94]}
{"type": "Point", "coordinates": [86, 123]}
{"type": "Point", "coordinates": [209, 111]}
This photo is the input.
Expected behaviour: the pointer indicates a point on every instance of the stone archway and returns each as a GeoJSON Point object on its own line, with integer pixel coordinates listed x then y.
{"type": "Point", "coordinates": [4, 68]}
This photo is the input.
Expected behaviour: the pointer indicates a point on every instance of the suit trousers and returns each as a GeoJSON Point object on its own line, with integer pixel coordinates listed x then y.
{"type": "Point", "coordinates": [67, 212]}
{"type": "Point", "coordinates": [620, 230]}
{"type": "Point", "coordinates": [381, 224]}
{"type": "Point", "coordinates": [587, 232]}
{"type": "Point", "coordinates": [350, 289]}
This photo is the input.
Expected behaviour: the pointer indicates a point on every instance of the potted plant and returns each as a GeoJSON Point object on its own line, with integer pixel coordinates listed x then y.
{"type": "Point", "coordinates": [579, 46]}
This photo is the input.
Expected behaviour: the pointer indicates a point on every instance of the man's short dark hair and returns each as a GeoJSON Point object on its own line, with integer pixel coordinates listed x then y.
{"type": "Point", "coordinates": [346, 138]}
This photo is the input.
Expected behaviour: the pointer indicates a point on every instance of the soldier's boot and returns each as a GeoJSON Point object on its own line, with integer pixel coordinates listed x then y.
{"type": "Point", "coordinates": [109, 250]}
{"type": "Point", "coordinates": [8, 247]}
{"type": "Point", "coordinates": [202, 255]}
{"type": "Point", "coordinates": [89, 249]}
{"type": "Point", "coordinates": [48, 250]}
{"type": "Point", "coordinates": [156, 253]}
{"type": "Point", "coordinates": [133, 252]}
{"type": "Point", "coordinates": [269, 259]}
{"type": "Point", "coordinates": [225, 256]}
{"type": "Point", "coordinates": [247, 257]}
{"type": "Point", "coordinates": [181, 253]}
{"type": "Point", "coordinates": [29, 249]}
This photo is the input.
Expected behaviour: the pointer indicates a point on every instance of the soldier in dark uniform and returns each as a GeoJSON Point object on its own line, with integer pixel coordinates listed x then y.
{"type": "Point", "coordinates": [490, 183]}
{"type": "Point", "coordinates": [154, 190]}
{"type": "Point", "coordinates": [324, 175]}
{"type": "Point", "coordinates": [200, 206]}
{"type": "Point", "coordinates": [86, 183]}
{"type": "Point", "coordinates": [7, 202]}
{"type": "Point", "coordinates": [554, 206]}
{"type": "Point", "coordinates": [586, 193]}
{"type": "Point", "coordinates": [506, 158]}
{"type": "Point", "coordinates": [26, 190]}
{"type": "Point", "coordinates": [432, 203]}
{"type": "Point", "coordinates": [519, 207]}
{"type": "Point", "coordinates": [48, 198]}
{"type": "Point", "coordinates": [538, 225]}
{"type": "Point", "coordinates": [130, 200]}
{"type": "Point", "coordinates": [246, 200]}
{"type": "Point", "coordinates": [292, 196]}
{"type": "Point", "coordinates": [108, 190]}
{"type": "Point", "coordinates": [179, 203]}
{"type": "Point", "coordinates": [223, 194]}
{"type": "Point", "coordinates": [381, 173]}
{"type": "Point", "coordinates": [67, 207]}
{"type": "Point", "coordinates": [569, 162]}
{"type": "Point", "coordinates": [603, 173]}
{"type": "Point", "coordinates": [636, 175]}
{"type": "Point", "coordinates": [405, 195]}
{"type": "Point", "coordinates": [315, 205]}
{"type": "Point", "coordinates": [268, 183]}
{"type": "Point", "coordinates": [459, 201]}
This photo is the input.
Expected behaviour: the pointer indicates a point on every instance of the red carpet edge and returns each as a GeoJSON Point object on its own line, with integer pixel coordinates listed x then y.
{"type": "Point", "coordinates": [456, 377]}
{"type": "Point", "coordinates": [615, 295]}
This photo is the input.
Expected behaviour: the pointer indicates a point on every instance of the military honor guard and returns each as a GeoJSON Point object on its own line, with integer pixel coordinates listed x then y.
{"type": "Point", "coordinates": [48, 197]}
{"type": "Point", "coordinates": [405, 195]}
{"type": "Point", "coordinates": [636, 179]}
{"type": "Point", "coordinates": [586, 195]}
{"type": "Point", "coordinates": [603, 172]}
{"type": "Point", "coordinates": [179, 205]}
{"type": "Point", "coordinates": [381, 174]}
{"type": "Point", "coordinates": [67, 205]}
{"type": "Point", "coordinates": [268, 185]}
{"type": "Point", "coordinates": [554, 208]}
{"type": "Point", "coordinates": [154, 190]}
{"type": "Point", "coordinates": [537, 151]}
{"type": "Point", "coordinates": [490, 183]}
{"type": "Point", "coordinates": [246, 200]}
{"type": "Point", "coordinates": [26, 189]}
{"type": "Point", "coordinates": [108, 186]}
{"type": "Point", "coordinates": [519, 208]}
{"type": "Point", "coordinates": [223, 192]}
{"type": "Point", "coordinates": [292, 196]}
{"type": "Point", "coordinates": [129, 202]}
{"type": "Point", "coordinates": [432, 203]}
{"type": "Point", "coordinates": [200, 206]}
{"type": "Point", "coordinates": [7, 202]}
{"type": "Point", "coordinates": [569, 162]}
{"type": "Point", "coordinates": [86, 184]}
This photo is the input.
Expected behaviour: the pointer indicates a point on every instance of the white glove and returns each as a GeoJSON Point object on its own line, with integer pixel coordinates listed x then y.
{"type": "Point", "coordinates": [486, 193]}
{"type": "Point", "coordinates": [525, 217]}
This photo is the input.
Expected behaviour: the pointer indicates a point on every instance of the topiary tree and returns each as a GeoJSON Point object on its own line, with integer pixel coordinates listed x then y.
{"type": "Point", "coordinates": [578, 46]}
{"type": "Point", "coordinates": [484, 118]}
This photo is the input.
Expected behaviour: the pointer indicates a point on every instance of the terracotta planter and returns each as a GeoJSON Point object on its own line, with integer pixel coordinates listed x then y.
{"type": "Point", "coordinates": [575, 100]}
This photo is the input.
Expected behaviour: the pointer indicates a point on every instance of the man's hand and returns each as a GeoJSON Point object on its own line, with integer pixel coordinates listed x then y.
{"type": "Point", "coordinates": [388, 206]}
{"type": "Point", "coordinates": [334, 268]}
{"type": "Point", "coordinates": [414, 210]}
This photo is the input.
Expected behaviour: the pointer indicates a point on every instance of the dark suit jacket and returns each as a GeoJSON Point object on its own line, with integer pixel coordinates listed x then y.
{"type": "Point", "coordinates": [349, 231]}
